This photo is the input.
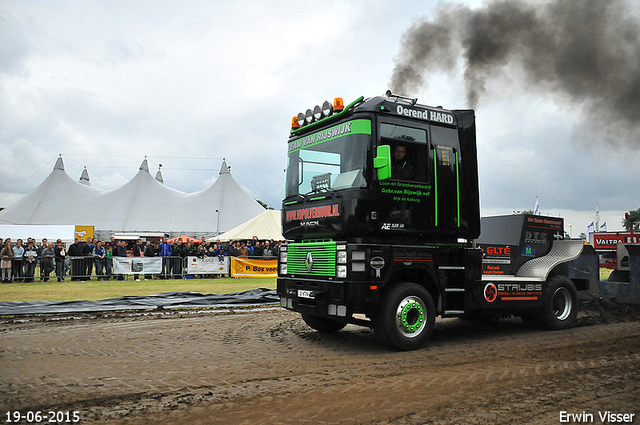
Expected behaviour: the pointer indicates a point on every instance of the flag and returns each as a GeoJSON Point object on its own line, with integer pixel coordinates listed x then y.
{"type": "Point", "coordinates": [589, 230]}
{"type": "Point", "coordinates": [536, 209]}
{"type": "Point", "coordinates": [603, 228]}
{"type": "Point", "coordinates": [597, 226]}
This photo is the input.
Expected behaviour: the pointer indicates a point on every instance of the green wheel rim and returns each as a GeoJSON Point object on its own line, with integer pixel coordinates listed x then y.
{"type": "Point", "coordinates": [411, 316]}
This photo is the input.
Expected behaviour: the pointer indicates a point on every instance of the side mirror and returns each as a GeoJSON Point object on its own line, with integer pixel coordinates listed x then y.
{"type": "Point", "coordinates": [382, 162]}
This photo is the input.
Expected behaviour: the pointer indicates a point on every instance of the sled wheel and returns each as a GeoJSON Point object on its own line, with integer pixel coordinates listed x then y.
{"type": "Point", "coordinates": [560, 308]}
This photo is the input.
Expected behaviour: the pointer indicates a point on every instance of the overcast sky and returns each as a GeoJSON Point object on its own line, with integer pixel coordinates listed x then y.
{"type": "Point", "coordinates": [189, 83]}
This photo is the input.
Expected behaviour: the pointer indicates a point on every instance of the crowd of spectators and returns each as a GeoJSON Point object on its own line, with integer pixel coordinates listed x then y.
{"type": "Point", "coordinates": [18, 261]}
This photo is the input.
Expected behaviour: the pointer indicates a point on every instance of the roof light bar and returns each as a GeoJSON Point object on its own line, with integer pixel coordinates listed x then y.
{"type": "Point", "coordinates": [312, 116]}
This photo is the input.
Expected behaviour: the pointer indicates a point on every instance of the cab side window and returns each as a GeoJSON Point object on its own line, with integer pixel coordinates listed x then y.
{"type": "Point", "coordinates": [409, 152]}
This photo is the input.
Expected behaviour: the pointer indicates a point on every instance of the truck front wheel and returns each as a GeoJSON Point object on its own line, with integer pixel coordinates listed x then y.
{"type": "Point", "coordinates": [322, 324]}
{"type": "Point", "coordinates": [560, 303]}
{"type": "Point", "coordinates": [406, 317]}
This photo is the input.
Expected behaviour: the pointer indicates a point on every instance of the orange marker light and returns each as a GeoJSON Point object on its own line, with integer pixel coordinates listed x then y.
{"type": "Point", "coordinates": [294, 122]}
{"type": "Point", "coordinates": [338, 104]}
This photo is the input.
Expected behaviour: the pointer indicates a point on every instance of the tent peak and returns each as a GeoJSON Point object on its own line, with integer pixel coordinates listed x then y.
{"type": "Point", "coordinates": [224, 169]}
{"type": "Point", "coordinates": [59, 164]}
{"type": "Point", "coordinates": [159, 174]}
{"type": "Point", "coordinates": [84, 178]}
{"type": "Point", "coordinates": [145, 165]}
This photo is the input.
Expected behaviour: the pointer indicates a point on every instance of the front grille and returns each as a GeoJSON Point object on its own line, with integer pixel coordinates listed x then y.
{"type": "Point", "coordinates": [323, 256]}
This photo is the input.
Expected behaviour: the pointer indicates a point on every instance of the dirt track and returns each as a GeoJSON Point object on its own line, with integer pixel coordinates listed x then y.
{"type": "Point", "coordinates": [266, 366]}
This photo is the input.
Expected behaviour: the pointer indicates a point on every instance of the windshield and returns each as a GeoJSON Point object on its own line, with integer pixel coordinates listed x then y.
{"type": "Point", "coordinates": [330, 159]}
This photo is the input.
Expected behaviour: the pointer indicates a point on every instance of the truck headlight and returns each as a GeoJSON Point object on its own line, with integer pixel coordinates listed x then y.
{"type": "Point", "coordinates": [342, 257]}
{"type": "Point", "coordinates": [341, 271]}
{"type": "Point", "coordinates": [283, 257]}
{"type": "Point", "coordinates": [283, 268]}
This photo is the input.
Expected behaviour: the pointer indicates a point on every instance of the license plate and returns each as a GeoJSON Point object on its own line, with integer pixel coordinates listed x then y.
{"type": "Point", "coordinates": [303, 293]}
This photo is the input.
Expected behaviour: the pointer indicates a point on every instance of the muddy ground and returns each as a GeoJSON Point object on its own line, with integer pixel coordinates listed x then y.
{"type": "Point", "coordinates": [254, 366]}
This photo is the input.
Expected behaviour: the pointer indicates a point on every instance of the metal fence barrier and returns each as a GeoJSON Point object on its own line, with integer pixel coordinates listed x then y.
{"type": "Point", "coordinates": [91, 268]}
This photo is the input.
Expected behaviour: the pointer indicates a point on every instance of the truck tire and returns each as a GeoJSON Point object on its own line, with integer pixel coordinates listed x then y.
{"type": "Point", "coordinates": [560, 308]}
{"type": "Point", "coordinates": [322, 324]}
{"type": "Point", "coordinates": [406, 317]}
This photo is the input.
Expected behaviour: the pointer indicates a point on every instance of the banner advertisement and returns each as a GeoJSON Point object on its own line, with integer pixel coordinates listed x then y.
{"type": "Point", "coordinates": [207, 265]}
{"type": "Point", "coordinates": [137, 265]}
{"type": "Point", "coordinates": [84, 232]}
{"type": "Point", "coordinates": [244, 267]}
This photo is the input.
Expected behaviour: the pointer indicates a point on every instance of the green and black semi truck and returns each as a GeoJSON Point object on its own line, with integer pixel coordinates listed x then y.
{"type": "Point", "coordinates": [382, 213]}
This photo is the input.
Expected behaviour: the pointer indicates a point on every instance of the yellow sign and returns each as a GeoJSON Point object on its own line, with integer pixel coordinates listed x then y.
{"type": "Point", "coordinates": [84, 232]}
{"type": "Point", "coordinates": [245, 267]}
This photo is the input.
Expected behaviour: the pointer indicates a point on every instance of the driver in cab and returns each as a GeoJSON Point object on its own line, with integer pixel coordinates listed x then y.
{"type": "Point", "coordinates": [401, 169]}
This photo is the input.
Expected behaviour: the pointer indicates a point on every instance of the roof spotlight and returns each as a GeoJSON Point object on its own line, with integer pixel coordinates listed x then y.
{"type": "Point", "coordinates": [301, 121]}
{"type": "Point", "coordinates": [317, 113]}
{"type": "Point", "coordinates": [309, 116]}
{"type": "Point", "coordinates": [327, 109]}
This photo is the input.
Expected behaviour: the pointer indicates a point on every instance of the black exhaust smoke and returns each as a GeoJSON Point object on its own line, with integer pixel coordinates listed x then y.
{"type": "Point", "coordinates": [586, 52]}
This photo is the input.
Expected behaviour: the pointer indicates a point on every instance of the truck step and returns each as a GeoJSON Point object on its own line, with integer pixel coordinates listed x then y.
{"type": "Point", "coordinates": [509, 278]}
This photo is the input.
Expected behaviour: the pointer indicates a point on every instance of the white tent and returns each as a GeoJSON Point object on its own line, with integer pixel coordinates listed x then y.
{"type": "Point", "coordinates": [57, 200]}
{"type": "Point", "coordinates": [141, 205]}
{"type": "Point", "coordinates": [216, 209]}
{"type": "Point", "coordinates": [64, 232]}
{"type": "Point", "coordinates": [264, 226]}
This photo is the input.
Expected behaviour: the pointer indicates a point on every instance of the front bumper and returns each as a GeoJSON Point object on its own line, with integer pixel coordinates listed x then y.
{"type": "Point", "coordinates": [324, 298]}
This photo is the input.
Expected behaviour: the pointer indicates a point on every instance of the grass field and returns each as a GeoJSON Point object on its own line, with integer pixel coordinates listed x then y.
{"type": "Point", "coordinates": [93, 290]}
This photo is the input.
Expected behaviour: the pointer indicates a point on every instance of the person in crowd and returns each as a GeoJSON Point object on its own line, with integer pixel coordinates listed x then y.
{"type": "Point", "coordinates": [100, 257]}
{"type": "Point", "coordinates": [108, 261]}
{"type": "Point", "coordinates": [87, 258]}
{"type": "Point", "coordinates": [149, 251]}
{"type": "Point", "coordinates": [120, 251]}
{"type": "Point", "coordinates": [138, 251]}
{"type": "Point", "coordinates": [112, 243]}
{"type": "Point", "coordinates": [242, 251]}
{"type": "Point", "coordinates": [60, 254]}
{"type": "Point", "coordinates": [16, 263]}
{"type": "Point", "coordinates": [75, 254]}
{"type": "Point", "coordinates": [232, 250]}
{"type": "Point", "coordinates": [201, 252]}
{"type": "Point", "coordinates": [179, 250]}
{"type": "Point", "coordinates": [257, 249]}
{"type": "Point", "coordinates": [30, 257]}
{"type": "Point", "coordinates": [267, 251]}
{"type": "Point", "coordinates": [41, 248]}
{"type": "Point", "coordinates": [251, 249]}
{"type": "Point", "coordinates": [6, 254]}
{"type": "Point", "coordinates": [166, 250]}
{"type": "Point", "coordinates": [47, 255]}
{"type": "Point", "coordinates": [219, 252]}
